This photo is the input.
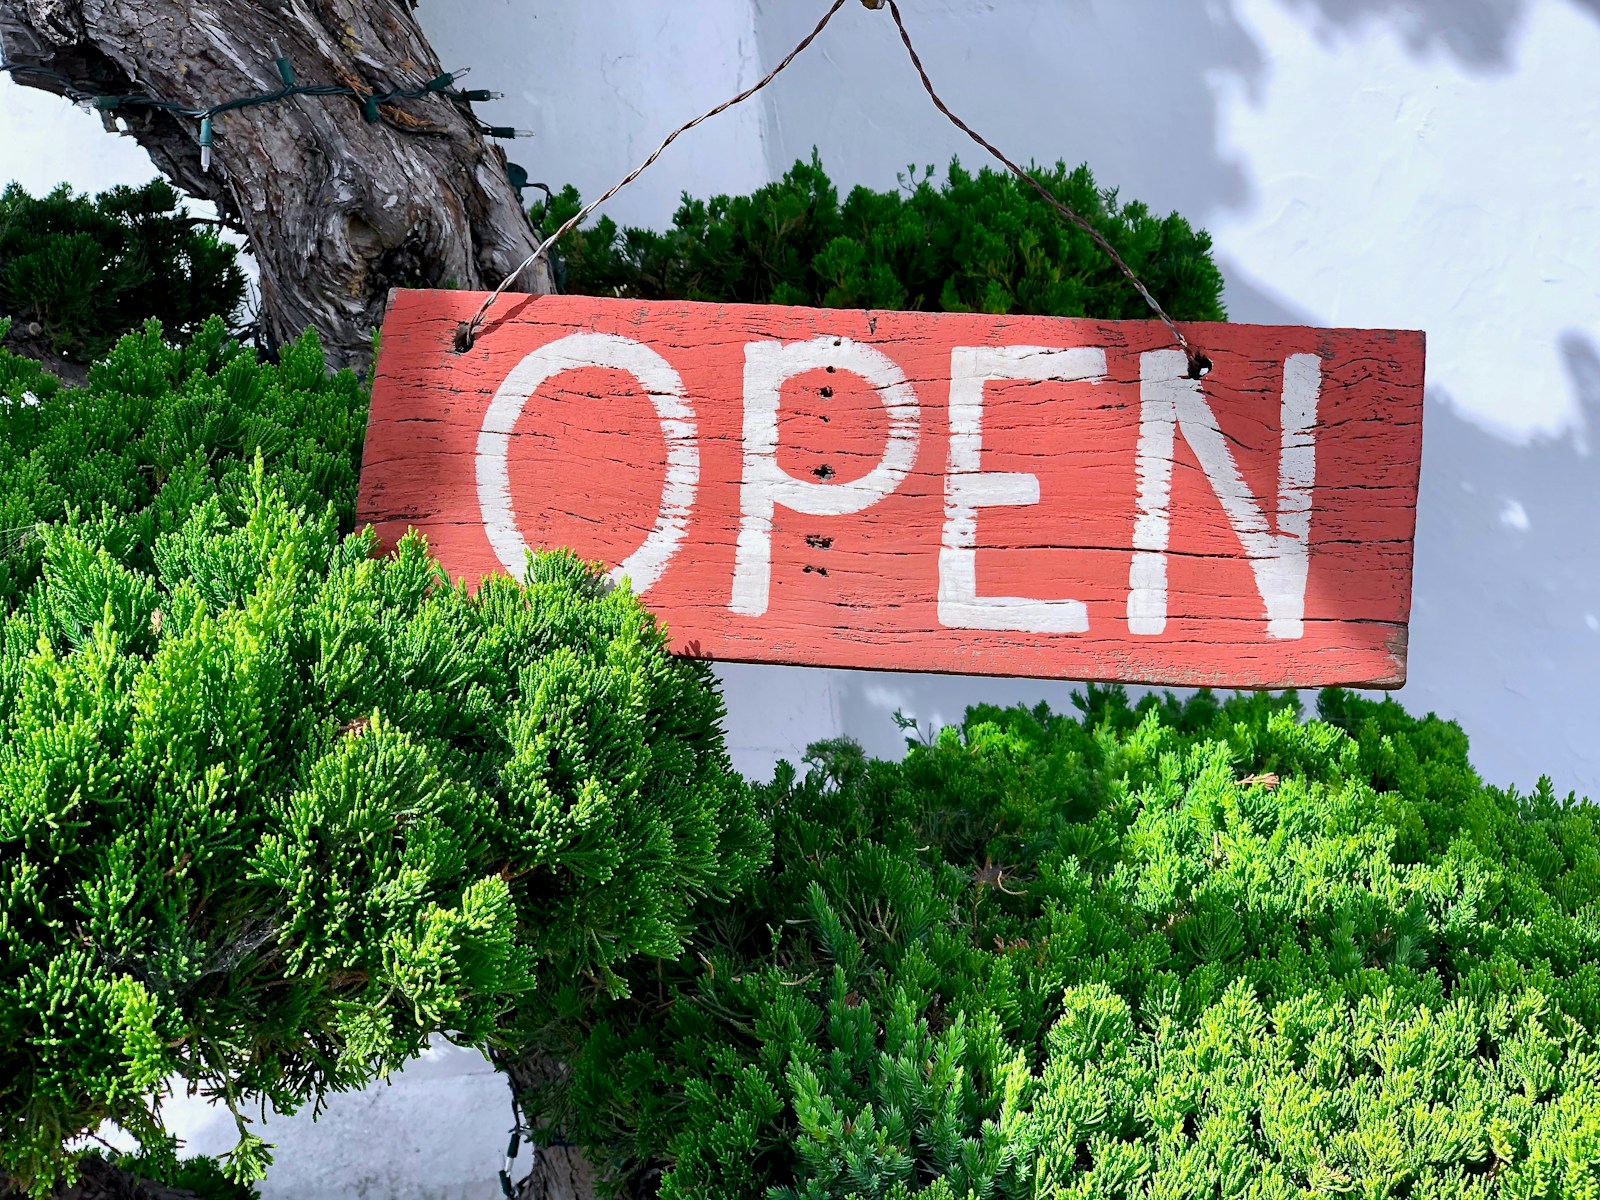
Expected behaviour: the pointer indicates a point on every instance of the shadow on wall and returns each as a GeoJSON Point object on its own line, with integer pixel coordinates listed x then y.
{"type": "Point", "coordinates": [1090, 84]}
{"type": "Point", "coordinates": [1478, 33]}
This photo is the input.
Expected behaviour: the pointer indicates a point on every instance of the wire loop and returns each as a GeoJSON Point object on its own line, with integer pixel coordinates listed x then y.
{"type": "Point", "coordinates": [468, 332]}
{"type": "Point", "coordinates": [443, 85]}
{"type": "Point", "coordinates": [1199, 364]}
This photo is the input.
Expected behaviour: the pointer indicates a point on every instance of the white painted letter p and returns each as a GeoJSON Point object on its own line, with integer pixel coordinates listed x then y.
{"type": "Point", "coordinates": [767, 366]}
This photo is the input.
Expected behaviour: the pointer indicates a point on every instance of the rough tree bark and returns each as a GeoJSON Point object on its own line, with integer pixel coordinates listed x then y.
{"type": "Point", "coordinates": [337, 210]}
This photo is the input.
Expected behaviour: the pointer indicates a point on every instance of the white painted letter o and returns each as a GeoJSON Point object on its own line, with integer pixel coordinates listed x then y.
{"type": "Point", "coordinates": [666, 391]}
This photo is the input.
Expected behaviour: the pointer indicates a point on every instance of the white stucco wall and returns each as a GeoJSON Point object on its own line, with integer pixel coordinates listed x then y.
{"type": "Point", "coordinates": [1415, 163]}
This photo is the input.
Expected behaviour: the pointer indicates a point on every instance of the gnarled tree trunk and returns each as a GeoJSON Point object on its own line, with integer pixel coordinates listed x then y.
{"type": "Point", "coordinates": [557, 1172]}
{"type": "Point", "coordinates": [338, 209]}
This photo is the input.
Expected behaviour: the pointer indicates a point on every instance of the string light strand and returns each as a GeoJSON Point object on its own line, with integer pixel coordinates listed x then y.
{"type": "Point", "coordinates": [372, 103]}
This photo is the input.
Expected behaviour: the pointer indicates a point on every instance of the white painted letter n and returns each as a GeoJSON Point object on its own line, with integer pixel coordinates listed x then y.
{"type": "Point", "coordinates": [1171, 402]}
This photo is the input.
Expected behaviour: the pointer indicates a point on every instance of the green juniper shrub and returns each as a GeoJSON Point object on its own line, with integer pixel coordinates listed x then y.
{"type": "Point", "coordinates": [159, 428]}
{"type": "Point", "coordinates": [1174, 949]}
{"type": "Point", "coordinates": [275, 809]}
{"type": "Point", "coordinates": [89, 270]}
{"type": "Point", "coordinates": [982, 242]}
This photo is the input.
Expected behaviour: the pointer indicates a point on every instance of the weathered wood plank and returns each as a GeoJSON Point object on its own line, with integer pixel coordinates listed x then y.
{"type": "Point", "coordinates": [1251, 530]}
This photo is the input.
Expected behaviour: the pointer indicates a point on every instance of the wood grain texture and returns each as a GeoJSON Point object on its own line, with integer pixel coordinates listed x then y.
{"type": "Point", "coordinates": [585, 465]}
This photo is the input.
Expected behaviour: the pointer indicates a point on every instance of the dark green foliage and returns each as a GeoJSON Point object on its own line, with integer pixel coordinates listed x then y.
{"type": "Point", "coordinates": [89, 270]}
{"type": "Point", "coordinates": [274, 810]}
{"type": "Point", "coordinates": [204, 1177]}
{"type": "Point", "coordinates": [1168, 950]}
{"type": "Point", "coordinates": [976, 243]}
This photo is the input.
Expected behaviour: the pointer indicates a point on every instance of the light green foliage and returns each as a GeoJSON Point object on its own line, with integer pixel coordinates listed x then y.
{"type": "Point", "coordinates": [88, 270]}
{"type": "Point", "coordinates": [158, 429]}
{"type": "Point", "coordinates": [1167, 950]}
{"type": "Point", "coordinates": [975, 243]}
{"type": "Point", "coordinates": [273, 809]}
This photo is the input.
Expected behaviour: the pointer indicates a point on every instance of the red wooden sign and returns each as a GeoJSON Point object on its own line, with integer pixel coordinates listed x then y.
{"type": "Point", "coordinates": [956, 493]}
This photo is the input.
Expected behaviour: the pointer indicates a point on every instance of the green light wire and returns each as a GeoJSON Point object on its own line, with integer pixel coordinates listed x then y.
{"type": "Point", "coordinates": [371, 102]}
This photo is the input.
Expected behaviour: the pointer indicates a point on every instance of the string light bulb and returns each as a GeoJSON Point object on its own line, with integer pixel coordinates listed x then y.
{"type": "Point", "coordinates": [285, 67]}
